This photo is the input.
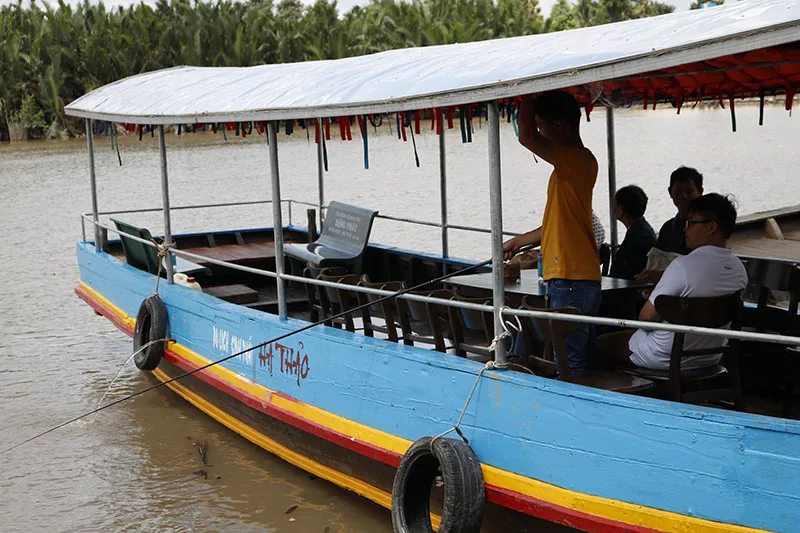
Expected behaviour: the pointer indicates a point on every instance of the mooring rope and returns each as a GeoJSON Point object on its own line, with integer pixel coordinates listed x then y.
{"type": "Point", "coordinates": [161, 253]}
{"type": "Point", "coordinates": [490, 365]}
{"type": "Point", "coordinates": [266, 343]}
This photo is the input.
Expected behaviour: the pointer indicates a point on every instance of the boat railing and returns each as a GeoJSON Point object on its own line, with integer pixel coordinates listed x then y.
{"type": "Point", "coordinates": [289, 202]}
{"type": "Point", "coordinates": [505, 311]}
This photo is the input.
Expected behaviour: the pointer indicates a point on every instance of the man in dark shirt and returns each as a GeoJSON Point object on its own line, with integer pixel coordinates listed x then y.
{"type": "Point", "coordinates": [630, 258]}
{"type": "Point", "coordinates": [685, 184]}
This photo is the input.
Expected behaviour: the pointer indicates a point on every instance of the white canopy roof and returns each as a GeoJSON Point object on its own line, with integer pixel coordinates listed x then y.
{"type": "Point", "coordinates": [418, 78]}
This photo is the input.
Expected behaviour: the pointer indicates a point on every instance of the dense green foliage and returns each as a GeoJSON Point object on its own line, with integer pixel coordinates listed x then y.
{"type": "Point", "coordinates": [55, 53]}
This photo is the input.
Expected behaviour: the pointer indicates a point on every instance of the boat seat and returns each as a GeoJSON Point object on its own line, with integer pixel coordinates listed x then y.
{"type": "Point", "coordinates": [144, 257]}
{"type": "Point", "coordinates": [385, 309]}
{"type": "Point", "coordinates": [552, 341]}
{"type": "Point", "coordinates": [343, 240]}
{"type": "Point", "coordinates": [772, 278]}
{"type": "Point", "coordinates": [717, 382]}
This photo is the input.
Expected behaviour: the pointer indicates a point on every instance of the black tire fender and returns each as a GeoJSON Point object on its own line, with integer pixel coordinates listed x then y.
{"type": "Point", "coordinates": [151, 324]}
{"type": "Point", "coordinates": [464, 490]}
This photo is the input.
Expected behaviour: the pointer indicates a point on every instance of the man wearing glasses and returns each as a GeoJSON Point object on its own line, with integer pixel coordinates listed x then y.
{"type": "Point", "coordinates": [709, 270]}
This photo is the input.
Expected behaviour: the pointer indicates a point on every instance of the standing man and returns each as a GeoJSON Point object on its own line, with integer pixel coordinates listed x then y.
{"type": "Point", "coordinates": [549, 126]}
{"type": "Point", "coordinates": [685, 184]}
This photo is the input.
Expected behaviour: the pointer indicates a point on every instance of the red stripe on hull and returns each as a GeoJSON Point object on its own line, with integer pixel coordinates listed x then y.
{"type": "Point", "coordinates": [555, 513]}
{"type": "Point", "coordinates": [363, 448]}
{"type": "Point", "coordinates": [100, 308]}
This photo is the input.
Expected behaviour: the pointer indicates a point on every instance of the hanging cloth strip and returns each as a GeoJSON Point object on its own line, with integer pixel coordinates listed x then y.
{"type": "Point", "coordinates": [362, 125]}
{"type": "Point", "coordinates": [414, 143]}
{"type": "Point", "coordinates": [449, 115]}
{"type": "Point", "coordinates": [515, 120]}
{"type": "Point", "coordinates": [403, 123]}
{"type": "Point", "coordinates": [347, 130]}
{"type": "Point", "coordinates": [461, 119]}
{"type": "Point", "coordinates": [417, 123]}
{"type": "Point", "coordinates": [469, 124]}
{"type": "Point", "coordinates": [325, 145]}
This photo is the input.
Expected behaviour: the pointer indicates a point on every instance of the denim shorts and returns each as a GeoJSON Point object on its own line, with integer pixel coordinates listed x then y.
{"type": "Point", "coordinates": [582, 342]}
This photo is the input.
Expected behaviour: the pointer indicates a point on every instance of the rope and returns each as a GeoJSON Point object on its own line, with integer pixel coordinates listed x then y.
{"type": "Point", "coordinates": [490, 365]}
{"type": "Point", "coordinates": [506, 334]}
{"type": "Point", "coordinates": [162, 252]}
{"type": "Point", "coordinates": [261, 345]}
{"type": "Point", "coordinates": [61, 425]}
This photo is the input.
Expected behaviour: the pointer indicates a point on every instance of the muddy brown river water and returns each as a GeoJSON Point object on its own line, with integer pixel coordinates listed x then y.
{"type": "Point", "coordinates": [134, 467]}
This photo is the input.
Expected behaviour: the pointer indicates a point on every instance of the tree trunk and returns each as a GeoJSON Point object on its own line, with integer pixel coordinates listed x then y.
{"type": "Point", "coordinates": [17, 132]}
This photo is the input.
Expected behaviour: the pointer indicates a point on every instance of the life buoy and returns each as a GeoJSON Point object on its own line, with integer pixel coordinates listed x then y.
{"type": "Point", "coordinates": [464, 491]}
{"type": "Point", "coordinates": [151, 324]}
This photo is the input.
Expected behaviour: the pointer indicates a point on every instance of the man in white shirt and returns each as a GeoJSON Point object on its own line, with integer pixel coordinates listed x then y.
{"type": "Point", "coordinates": [710, 269]}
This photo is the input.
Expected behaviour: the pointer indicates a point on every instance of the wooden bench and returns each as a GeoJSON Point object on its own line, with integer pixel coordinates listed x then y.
{"type": "Point", "coordinates": [343, 240]}
{"type": "Point", "coordinates": [235, 294]}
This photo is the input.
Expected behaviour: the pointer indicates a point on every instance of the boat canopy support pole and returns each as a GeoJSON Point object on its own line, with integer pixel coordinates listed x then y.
{"type": "Point", "coordinates": [612, 175]}
{"type": "Point", "coordinates": [320, 173]}
{"type": "Point", "coordinates": [443, 183]}
{"type": "Point", "coordinates": [496, 206]}
{"type": "Point", "coordinates": [277, 218]}
{"type": "Point", "coordinates": [162, 150]}
{"type": "Point", "coordinates": [93, 180]}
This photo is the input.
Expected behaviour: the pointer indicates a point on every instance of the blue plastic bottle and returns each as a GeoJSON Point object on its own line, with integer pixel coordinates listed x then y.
{"type": "Point", "coordinates": [541, 268]}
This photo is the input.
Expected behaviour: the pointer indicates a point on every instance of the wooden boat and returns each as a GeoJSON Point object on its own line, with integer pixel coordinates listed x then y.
{"type": "Point", "coordinates": [772, 234]}
{"type": "Point", "coordinates": [347, 406]}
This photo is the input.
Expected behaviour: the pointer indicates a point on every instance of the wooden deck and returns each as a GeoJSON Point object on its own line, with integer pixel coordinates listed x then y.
{"type": "Point", "coordinates": [755, 235]}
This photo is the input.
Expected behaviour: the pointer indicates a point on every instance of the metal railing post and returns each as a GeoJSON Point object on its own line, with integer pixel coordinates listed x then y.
{"type": "Point", "coordinates": [496, 206]}
{"type": "Point", "coordinates": [162, 150]}
{"type": "Point", "coordinates": [277, 218]}
{"type": "Point", "coordinates": [93, 180]}
{"type": "Point", "coordinates": [443, 183]}
{"type": "Point", "coordinates": [612, 174]}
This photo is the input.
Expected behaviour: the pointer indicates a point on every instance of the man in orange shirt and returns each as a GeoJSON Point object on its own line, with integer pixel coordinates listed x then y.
{"type": "Point", "coordinates": [549, 126]}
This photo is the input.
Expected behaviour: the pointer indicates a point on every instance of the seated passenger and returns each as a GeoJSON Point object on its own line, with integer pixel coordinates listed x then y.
{"type": "Point", "coordinates": [630, 204]}
{"type": "Point", "coordinates": [685, 184]}
{"type": "Point", "coordinates": [710, 269]}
